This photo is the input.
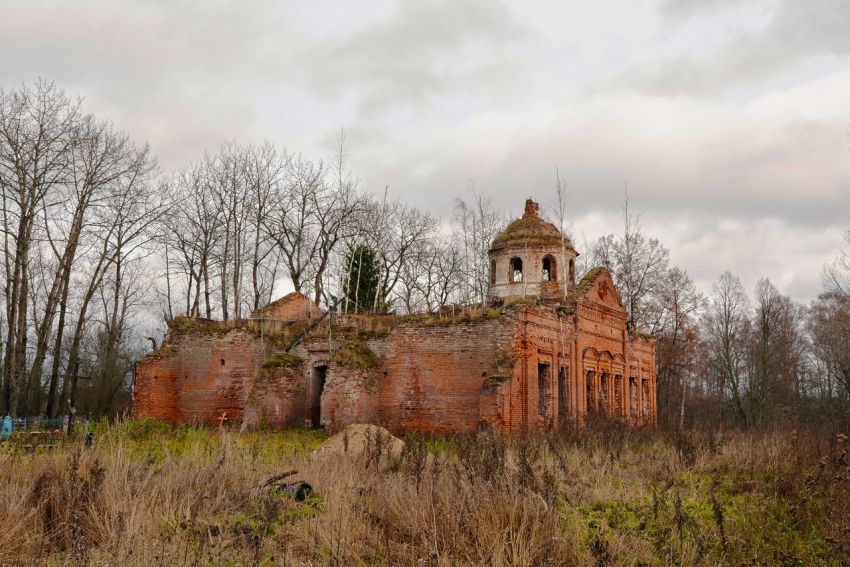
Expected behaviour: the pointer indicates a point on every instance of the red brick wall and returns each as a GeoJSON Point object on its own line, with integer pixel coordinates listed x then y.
{"type": "Point", "coordinates": [542, 338]}
{"type": "Point", "coordinates": [186, 381]}
{"type": "Point", "coordinates": [350, 396]}
{"type": "Point", "coordinates": [292, 307]}
{"type": "Point", "coordinates": [279, 398]}
{"type": "Point", "coordinates": [428, 378]}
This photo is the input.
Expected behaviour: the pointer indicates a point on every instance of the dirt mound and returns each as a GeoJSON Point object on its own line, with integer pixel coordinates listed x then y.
{"type": "Point", "coordinates": [361, 439]}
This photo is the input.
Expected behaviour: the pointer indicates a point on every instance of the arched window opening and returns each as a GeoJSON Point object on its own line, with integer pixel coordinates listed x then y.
{"type": "Point", "coordinates": [550, 273]}
{"type": "Point", "coordinates": [516, 270]}
{"type": "Point", "coordinates": [492, 272]}
{"type": "Point", "coordinates": [572, 270]}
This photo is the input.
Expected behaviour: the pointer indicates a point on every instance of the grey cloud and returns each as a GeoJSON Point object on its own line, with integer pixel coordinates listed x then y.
{"type": "Point", "coordinates": [797, 32]}
{"type": "Point", "coordinates": [423, 49]}
{"type": "Point", "coordinates": [800, 174]}
{"type": "Point", "coordinates": [432, 94]}
{"type": "Point", "coordinates": [679, 10]}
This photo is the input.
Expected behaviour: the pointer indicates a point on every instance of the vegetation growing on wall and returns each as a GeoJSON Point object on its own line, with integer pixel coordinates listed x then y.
{"type": "Point", "coordinates": [282, 360]}
{"type": "Point", "coordinates": [584, 284]}
{"type": "Point", "coordinates": [355, 355]}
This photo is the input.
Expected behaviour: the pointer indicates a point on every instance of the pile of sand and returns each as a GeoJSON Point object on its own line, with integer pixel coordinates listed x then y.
{"type": "Point", "coordinates": [361, 439]}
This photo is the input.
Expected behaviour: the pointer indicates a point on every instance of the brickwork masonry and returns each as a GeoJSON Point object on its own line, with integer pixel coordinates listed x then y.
{"type": "Point", "coordinates": [527, 366]}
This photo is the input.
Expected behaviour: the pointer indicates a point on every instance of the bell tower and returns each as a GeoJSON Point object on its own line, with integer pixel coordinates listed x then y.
{"type": "Point", "coordinates": [532, 258]}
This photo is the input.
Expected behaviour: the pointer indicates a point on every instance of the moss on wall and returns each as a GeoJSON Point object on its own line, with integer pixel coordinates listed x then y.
{"type": "Point", "coordinates": [356, 355]}
{"type": "Point", "coordinates": [283, 360]}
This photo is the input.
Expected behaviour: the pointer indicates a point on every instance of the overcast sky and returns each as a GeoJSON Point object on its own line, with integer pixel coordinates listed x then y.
{"type": "Point", "coordinates": [727, 119]}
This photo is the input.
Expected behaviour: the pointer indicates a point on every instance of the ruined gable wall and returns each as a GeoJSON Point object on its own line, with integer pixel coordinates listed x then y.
{"type": "Point", "coordinates": [197, 377]}
{"type": "Point", "coordinates": [291, 308]}
{"type": "Point", "coordinates": [600, 328]}
{"type": "Point", "coordinates": [605, 348]}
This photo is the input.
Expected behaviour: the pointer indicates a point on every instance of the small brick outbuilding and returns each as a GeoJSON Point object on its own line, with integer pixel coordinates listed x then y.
{"type": "Point", "coordinates": [293, 306]}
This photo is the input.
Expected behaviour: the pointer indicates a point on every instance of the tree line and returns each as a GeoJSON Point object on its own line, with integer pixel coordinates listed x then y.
{"type": "Point", "coordinates": [96, 237]}
{"type": "Point", "coordinates": [749, 359]}
{"type": "Point", "coordinates": [100, 244]}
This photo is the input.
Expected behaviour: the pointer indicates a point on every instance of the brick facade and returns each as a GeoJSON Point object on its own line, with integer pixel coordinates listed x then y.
{"type": "Point", "coordinates": [544, 358]}
{"type": "Point", "coordinates": [198, 377]}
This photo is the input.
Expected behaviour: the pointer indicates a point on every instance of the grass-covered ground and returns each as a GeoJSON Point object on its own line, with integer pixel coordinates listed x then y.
{"type": "Point", "coordinates": [148, 494]}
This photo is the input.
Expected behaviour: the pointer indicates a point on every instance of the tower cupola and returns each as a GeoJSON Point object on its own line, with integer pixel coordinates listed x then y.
{"type": "Point", "coordinates": [531, 258]}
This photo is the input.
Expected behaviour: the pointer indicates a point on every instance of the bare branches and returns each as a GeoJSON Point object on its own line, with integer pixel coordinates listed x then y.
{"type": "Point", "coordinates": [836, 276]}
{"type": "Point", "coordinates": [638, 264]}
{"type": "Point", "coordinates": [478, 222]}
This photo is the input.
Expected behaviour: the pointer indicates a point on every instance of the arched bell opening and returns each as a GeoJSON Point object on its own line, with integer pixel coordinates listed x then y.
{"type": "Point", "coordinates": [515, 271]}
{"type": "Point", "coordinates": [550, 269]}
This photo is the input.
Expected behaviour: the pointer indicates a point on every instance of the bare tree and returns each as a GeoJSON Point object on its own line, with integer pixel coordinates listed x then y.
{"type": "Point", "coordinates": [338, 208]}
{"type": "Point", "coordinates": [836, 276]}
{"type": "Point", "coordinates": [677, 307]}
{"type": "Point", "coordinates": [37, 126]}
{"type": "Point", "coordinates": [478, 222]}
{"type": "Point", "coordinates": [225, 173]}
{"type": "Point", "coordinates": [431, 275]}
{"type": "Point", "coordinates": [398, 232]}
{"type": "Point", "coordinates": [194, 228]}
{"type": "Point", "coordinates": [293, 221]}
{"type": "Point", "coordinates": [774, 355]}
{"type": "Point", "coordinates": [638, 264]}
{"type": "Point", "coordinates": [829, 328]}
{"type": "Point", "coordinates": [561, 217]}
{"type": "Point", "coordinates": [265, 170]}
{"type": "Point", "coordinates": [101, 159]}
{"type": "Point", "coordinates": [727, 327]}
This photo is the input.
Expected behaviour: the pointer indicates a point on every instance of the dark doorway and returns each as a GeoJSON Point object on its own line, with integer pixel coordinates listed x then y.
{"type": "Point", "coordinates": [317, 386]}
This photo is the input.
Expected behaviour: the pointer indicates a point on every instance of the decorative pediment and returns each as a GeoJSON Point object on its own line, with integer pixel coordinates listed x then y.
{"type": "Point", "coordinates": [598, 287]}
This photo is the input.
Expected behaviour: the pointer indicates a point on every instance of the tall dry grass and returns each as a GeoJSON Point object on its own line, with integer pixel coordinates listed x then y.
{"type": "Point", "coordinates": [146, 494]}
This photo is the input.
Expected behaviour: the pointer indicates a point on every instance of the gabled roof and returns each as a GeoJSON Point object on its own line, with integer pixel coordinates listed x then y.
{"type": "Point", "coordinates": [286, 299]}
{"type": "Point", "coordinates": [290, 298]}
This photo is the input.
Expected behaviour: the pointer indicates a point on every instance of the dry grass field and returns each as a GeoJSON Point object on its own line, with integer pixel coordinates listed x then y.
{"type": "Point", "coordinates": [148, 494]}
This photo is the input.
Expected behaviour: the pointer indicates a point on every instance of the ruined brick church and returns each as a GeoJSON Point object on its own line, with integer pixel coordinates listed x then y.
{"type": "Point", "coordinates": [547, 351]}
